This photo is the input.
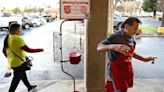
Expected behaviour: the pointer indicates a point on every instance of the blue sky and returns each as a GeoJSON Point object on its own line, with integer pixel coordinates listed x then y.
{"type": "Point", "coordinates": [22, 3]}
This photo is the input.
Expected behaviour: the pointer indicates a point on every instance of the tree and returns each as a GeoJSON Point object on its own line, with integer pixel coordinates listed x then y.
{"type": "Point", "coordinates": [120, 8]}
{"type": "Point", "coordinates": [150, 6]}
{"type": "Point", "coordinates": [129, 6]}
{"type": "Point", "coordinates": [162, 20]}
{"type": "Point", "coordinates": [113, 8]}
{"type": "Point", "coordinates": [40, 10]}
{"type": "Point", "coordinates": [34, 9]}
{"type": "Point", "coordinates": [3, 9]}
{"type": "Point", "coordinates": [115, 2]}
{"type": "Point", "coordinates": [160, 7]}
{"type": "Point", "coordinates": [16, 10]}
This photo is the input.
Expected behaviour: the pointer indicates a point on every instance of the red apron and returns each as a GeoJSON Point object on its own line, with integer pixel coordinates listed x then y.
{"type": "Point", "coordinates": [122, 71]}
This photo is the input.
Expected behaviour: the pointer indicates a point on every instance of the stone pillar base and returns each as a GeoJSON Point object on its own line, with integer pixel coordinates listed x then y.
{"type": "Point", "coordinates": [95, 90]}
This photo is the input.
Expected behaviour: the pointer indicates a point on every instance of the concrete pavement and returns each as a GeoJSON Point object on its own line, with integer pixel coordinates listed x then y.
{"type": "Point", "coordinates": [140, 85]}
{"type": "Point", "coordinates": [148, 85]}
{"type": "Point", "coordinates": [65, 86]}
{"type": "Point", "coordinates": [22, 88]}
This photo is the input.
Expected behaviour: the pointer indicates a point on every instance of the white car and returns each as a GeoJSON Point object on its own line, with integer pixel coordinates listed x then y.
{"type": "Point", "coordinates": [41, 19]}
{"type": "Point", "coordinates": [6, 19]}
{"type": "Point", "coordinates": [36, 22]}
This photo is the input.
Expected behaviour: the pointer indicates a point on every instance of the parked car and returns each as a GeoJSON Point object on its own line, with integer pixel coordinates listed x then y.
{"type": "Point", "coordinates": [118, 20]}
{"type": "Point", "coordinates": [49, 18]}
{"type": "Point", "coordinates": [40, 18]}
{"type": "Point", "coordinates": [6, 19]}
{"type": "Point", "coordinates": [28, 22]}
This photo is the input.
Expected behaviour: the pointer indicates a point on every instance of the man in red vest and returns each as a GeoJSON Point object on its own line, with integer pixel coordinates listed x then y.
{"type": "Point", "coordinates": [120, 47]}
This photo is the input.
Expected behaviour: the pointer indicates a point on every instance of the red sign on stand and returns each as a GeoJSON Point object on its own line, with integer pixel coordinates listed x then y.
{"type": "Point", "coordinates": [74, 9]}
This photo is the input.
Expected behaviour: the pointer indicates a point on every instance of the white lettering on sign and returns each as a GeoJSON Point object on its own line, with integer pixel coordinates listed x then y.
{"type": "Point", "coordinates": [74, 9]}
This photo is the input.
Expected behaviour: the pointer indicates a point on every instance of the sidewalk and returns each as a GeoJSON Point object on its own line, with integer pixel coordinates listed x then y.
{"type": "Point", "coordinates": [140, 85]}
{"type": "Point", "coordinates": [150, 35]}
{"type": "Point", "coordinates": [22, 88]}
{"type": "Point", "coordinates": [65, 86]}
{"type": "Point", "coordinates": [148, 85]}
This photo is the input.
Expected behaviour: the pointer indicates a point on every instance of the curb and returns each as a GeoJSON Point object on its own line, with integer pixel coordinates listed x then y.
{"type": "Point", "coordinates": [149, 35]}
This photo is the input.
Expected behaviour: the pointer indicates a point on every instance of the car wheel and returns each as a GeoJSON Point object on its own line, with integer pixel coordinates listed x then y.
{"type": "Point", "coordinates": [34, 25]}
{"type": "Point", "coordinates": [26, 26]}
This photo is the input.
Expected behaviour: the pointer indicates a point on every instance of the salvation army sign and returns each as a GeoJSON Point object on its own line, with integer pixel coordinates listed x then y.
{"type": "Point", "coordinates": [74, 9]}
{"type": "Point", "coordinates": [67, 9]}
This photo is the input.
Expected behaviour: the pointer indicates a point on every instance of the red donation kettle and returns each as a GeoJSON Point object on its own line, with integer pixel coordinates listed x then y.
{"type": "Point", "coordinates": [74, 57]}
